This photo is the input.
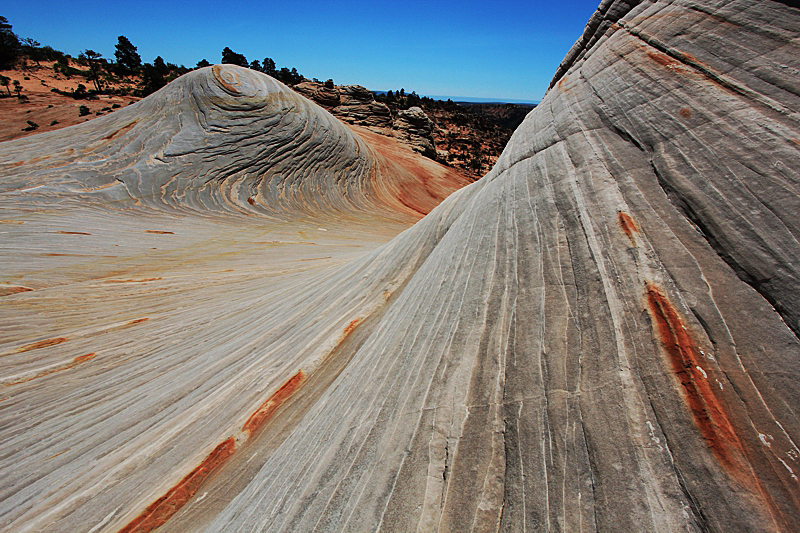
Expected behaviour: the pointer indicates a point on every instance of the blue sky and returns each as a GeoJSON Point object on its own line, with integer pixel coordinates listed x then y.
{"type": "Point", "coordinates": [495, 49]}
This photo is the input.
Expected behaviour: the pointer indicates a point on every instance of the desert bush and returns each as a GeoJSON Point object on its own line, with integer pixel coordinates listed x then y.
{"type": "Point", "coordinates": [31, 126]}
{"type": "Point", "coordinates": [83, 111]}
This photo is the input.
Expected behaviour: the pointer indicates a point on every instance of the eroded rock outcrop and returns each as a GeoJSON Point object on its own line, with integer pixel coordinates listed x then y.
{"type": "Point", "coordinates": [414, 127]}
{"type": "Point", "coordinates": [326, 95]}
{"type": "Point", "coordinates": [358, 106]}
{"type": "Point", "coordinates": [353, 104]}
{"type": "Point", "coordinates": [600, 334]}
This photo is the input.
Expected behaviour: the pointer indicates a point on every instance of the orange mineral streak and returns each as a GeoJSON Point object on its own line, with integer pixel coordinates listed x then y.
{"type": "Point", "coordinates": [41, 344]}
{"type": "Point", "coordinates": [708, 412]}
{"type": "Point", "coordinates": [75, 362]}
{"type": "Point", "coordinates": [217, 70]}
{"type": "Point", "coordinates": [662, 59]}
{"type": "Point", "coordinates": [83, 358]}
{"type": "Point", "coordinates": [268, 408]}
{"type": "Point", "coordinates": [73, 233]}
{"type": "Point", "coordinates": [351, 326]}
{"type": "Point", "coordinates": [628, 225]}
{"type": "Point", "coordinates": [161, 510]}
{"type": "Point", "coordinates": [142, 280]}
{"type": "Point", "coordinates": [120, 131]}
{"type": "Point", "coordinates": [14, 289]}
{"type": "Point", "coordinates": [410, 184]}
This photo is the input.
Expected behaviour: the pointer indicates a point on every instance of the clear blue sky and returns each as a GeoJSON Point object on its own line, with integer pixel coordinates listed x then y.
{"type": "Point", "coordinates": [480, 48]}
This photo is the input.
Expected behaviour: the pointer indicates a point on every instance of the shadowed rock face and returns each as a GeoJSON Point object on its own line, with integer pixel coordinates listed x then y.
{"type": "Point", "coordinates": [600, 334]}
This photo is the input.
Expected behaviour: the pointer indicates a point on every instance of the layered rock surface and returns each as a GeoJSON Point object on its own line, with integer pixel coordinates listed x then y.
{"type": "Point", "coordinates": [600, 334]}
{"type": "Point", "coordinates": [353, 104]}
{"type": "Point", "coordinates": [191, 238]}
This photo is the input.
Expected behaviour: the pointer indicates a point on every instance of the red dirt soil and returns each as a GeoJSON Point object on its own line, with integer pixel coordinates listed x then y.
{"type": "Point", "coordinates": [43, 106]}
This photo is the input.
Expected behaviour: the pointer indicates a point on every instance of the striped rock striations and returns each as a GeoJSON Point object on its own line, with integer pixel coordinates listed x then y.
{"type": "Point", "coordinates": [599, 335]}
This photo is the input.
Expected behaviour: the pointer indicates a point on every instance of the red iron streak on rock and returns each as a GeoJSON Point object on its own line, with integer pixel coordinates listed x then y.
{"type": "Point", "coordinates": [161, 510]}
{"type": "Point", "coordinates": [628, 225]}
{"type": "Point", "coordinates": [41, 344]}
{"type": "Point", "coordinates": [684, 356]}
{"type": "Point", "coordinates": [268, 408]}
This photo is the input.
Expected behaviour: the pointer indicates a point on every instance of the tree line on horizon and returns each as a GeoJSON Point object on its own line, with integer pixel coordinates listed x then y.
{"type": "Point", "coordinates": [286, 75]}
{"type": "Point", "coordinates": [127, 63]}
{"type": "Point", "coordinates": [100, 71]}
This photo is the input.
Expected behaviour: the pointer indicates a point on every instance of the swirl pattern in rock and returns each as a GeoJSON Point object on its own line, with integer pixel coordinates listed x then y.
{"type": "Point", "coordinates": [601, 334]}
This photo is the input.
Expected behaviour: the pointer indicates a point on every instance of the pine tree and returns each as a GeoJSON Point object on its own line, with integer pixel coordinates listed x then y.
{"type": "Point", "coordinates": [9, 45]}
{"type": "Point", "coordinates": [162, 68]}
{"type": "Point", "coordinates": [232, 58]}
{"type": "Point", "coordinates": [31, 48]}
{"type": "Point", "coordinates": [94, 70]}
{"type": "Point", "coordinates": [152, 77]}
{"type": "Point", "coordinates": [128, 59]}
{"type": "Point", "coordinates": [268, 67]}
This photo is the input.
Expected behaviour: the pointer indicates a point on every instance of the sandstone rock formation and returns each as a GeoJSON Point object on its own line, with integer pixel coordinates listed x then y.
{"type": "Point", "coordinates": [599, 335]}
{"type": "Point", "coordinates": [190, 238]}
{"type": "Point", "coordinates": [413, 126]}
{"type": "Point", "coordinates": [353, 104]}
{"type": "Point", "coordinates": [358, 106]}
{"type": "Point", "coordinates": [324, 94]}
